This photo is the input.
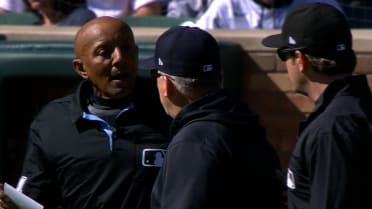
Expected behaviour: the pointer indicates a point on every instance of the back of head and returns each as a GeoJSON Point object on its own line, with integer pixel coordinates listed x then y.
{"type": "Point", "coordinates": [319, 30]}
{"type": "Point", "coordinates": [187, 52]}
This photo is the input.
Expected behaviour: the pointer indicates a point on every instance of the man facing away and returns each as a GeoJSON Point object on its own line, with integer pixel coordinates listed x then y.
{"type": "Point", "coordinates": [218, 156]}
{"type": "Point", "coordinates": [331, 164]}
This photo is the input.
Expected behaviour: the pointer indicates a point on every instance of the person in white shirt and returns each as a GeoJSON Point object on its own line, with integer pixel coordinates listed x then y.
{"type": "Point", "coordinates": [16, 6]}
{"type": "Point", "coordinates": [119, 8]}
{"type": "Point", "coordinates": [249, 14]}
{"type": "Point", "coordinates": [187, 8]}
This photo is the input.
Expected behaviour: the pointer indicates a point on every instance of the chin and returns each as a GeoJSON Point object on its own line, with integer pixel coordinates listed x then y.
{"type": "Point", "coordinates": [120, 92]}
{"type": "Point", "coordinates": [120, 95]}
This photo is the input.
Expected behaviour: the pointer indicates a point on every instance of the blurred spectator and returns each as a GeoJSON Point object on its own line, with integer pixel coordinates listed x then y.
{"type": "Point", "coordinates": [358, 12]}
{"type": "Point", "coordinates": [60, 12]}
{"type": "Point", "coordinates": [12, 6]}
{"type": "Point", "coordinates": [249, 14]}
{"type": "Point", "coordinates": [187, 8]}
{"type": "Point", "coordinates": [119, 8]}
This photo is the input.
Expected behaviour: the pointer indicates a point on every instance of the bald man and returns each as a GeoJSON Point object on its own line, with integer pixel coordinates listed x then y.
{"type": "Point", "coordinates": [97, 148]}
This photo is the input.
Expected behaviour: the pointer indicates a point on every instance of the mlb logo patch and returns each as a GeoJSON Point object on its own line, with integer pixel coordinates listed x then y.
{"type": "Point", "coordinates": [207, 68]}
{"type": "Point", "coordinates": [153, 157]}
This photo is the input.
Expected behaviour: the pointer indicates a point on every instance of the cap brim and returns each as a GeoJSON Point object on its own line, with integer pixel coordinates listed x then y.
{"type": "Point", "coordinates": [147, 64]}
{"type": "Point", "coordinates": [274, 41]}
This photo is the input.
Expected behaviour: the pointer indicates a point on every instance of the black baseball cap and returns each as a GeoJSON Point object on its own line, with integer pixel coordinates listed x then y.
{"type": "Point", "coordinates": [186, 52]}
{"type": "Point", "coordinates": [319, 28]}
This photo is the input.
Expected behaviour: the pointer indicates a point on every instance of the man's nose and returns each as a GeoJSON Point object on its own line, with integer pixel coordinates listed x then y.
{"type": "Point", "coordinates": [117, 55]}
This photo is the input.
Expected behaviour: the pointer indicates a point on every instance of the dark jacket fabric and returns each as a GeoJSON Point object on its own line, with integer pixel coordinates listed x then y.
{"type": "Point", "coordinates": [69, 161]}
{"type": "Point", "coordinates": [331, 166]}
{"type": "Point", "coordinates": [218, 158]}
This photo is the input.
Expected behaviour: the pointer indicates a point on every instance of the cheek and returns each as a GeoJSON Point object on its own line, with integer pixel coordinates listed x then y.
{"type": "Point", "coordinates": [98, 68]}
{"type": "Point", "coordinates": [290, 65]}
{"type": "Point", "coordinates": [95, 77]}
{"type": "Point", "coordinates": [161, 90]}
{"type": "Point", "coordinates": [99, 78]}
{"type": "Point", "coordinates": [296, 77]}
{"type": "Point", "coordinates": [291, 71]}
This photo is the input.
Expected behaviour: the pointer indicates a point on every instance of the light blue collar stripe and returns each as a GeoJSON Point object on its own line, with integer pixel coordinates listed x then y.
{"type": "Point", "coordinates": [130, 106]}
{"type": "Point", "coordinates": [104, 125]}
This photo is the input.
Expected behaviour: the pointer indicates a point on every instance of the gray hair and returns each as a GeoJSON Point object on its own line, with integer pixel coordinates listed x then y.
{"type": "Point", "coordinates": [194, 88]}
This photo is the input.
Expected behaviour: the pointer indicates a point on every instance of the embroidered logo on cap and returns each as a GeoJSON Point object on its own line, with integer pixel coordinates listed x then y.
{"type": "Point", "coordinates": [340, 47]}
{"type": "Point", "coordinates": [291, 40]}
{"type": "Point", "coordinates": [207, 68]}
{"type": "Point", "coordinates": [160, 62]}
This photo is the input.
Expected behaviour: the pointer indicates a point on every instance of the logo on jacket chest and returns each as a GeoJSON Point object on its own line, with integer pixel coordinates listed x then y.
{"type": "Point", "coordinates": [153, 157]}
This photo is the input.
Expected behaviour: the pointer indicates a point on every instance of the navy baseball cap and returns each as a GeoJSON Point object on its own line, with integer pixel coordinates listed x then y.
{"type": "Point", "coordinates": [319, 28]}
{"type": "Point", "coordinates": [185, 51]}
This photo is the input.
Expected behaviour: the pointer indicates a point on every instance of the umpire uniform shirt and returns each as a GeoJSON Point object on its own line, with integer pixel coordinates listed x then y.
{"type": "Point", "coordinates": [331, 164]}
{"type": "Point", "coordinates": [72, 157]}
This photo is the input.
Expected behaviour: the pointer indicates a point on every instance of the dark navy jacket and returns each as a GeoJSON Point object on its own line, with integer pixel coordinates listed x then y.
{"type": "Point", "coordinates": [69, 157]}
{"type": "Point", "coordinates": [331, 166]}
{"type": "Point", "coordinates": [218, 158]}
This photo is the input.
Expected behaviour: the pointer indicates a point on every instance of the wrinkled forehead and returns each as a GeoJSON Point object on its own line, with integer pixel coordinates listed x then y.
{"type": "Point", "coordinates": [103, 30]}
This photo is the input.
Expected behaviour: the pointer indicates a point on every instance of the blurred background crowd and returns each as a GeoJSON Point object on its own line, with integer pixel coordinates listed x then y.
{"type": "Point", "coordinates": [206, 14]}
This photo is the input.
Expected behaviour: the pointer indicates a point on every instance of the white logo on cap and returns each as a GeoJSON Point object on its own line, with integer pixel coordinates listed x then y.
{"type": "Point", "coordinates": [207, 68]}
{"type": "Point", "coordinates": [340, 47]}
{"type": "Point", "coordinates": [291, 40]}
{"type": "Point", "coordinates": [160, 62]}
{"type": "Point", "coordinates": [291, 180]}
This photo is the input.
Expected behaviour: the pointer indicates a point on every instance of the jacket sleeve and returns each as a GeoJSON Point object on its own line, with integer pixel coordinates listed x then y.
{"type": "Point", "coordinates": [41, 180]}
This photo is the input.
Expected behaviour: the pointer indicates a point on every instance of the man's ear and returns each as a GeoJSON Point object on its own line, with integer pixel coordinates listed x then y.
{"type": "Point", "coordinates": [302, 61]}
{"type": "Point", "coordinates": [167, 86]}
{"type": "Point", "coordinates": [79, 68]}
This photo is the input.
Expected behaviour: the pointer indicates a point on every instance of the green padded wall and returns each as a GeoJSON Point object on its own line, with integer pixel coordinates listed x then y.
{"type": "Point", "coordinates": [26, 18]}
{"type": "Point", "coordinates": [154, 21]}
